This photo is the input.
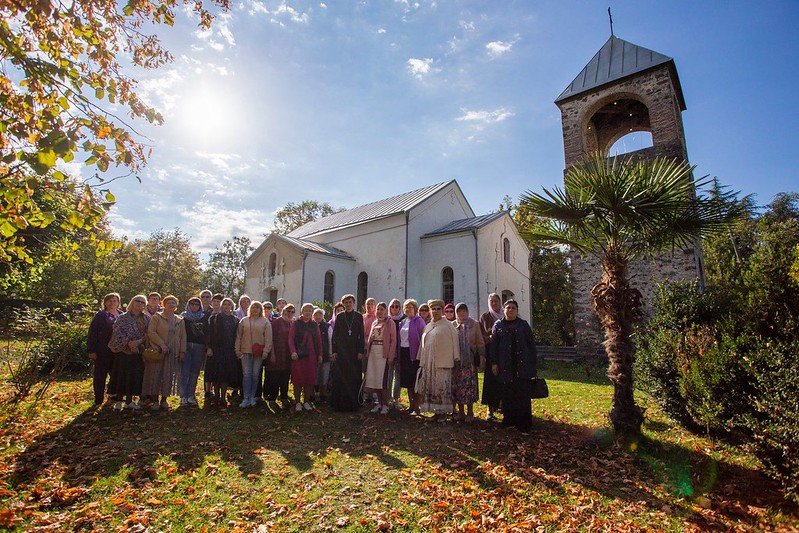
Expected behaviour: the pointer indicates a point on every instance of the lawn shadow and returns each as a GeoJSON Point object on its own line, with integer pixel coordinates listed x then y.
{"type": "Point", "coordinates": [99, 443]}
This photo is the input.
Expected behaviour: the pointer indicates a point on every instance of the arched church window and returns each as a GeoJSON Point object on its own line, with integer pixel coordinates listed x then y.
{"type": "Point", "coordinates": [363, 289]}
{"type": "Point", "coordinates": [330, 286]}
{"type": "Point", "coordinates": [272, 264]}
{"type": "Point", "coordinates": [506, 250]}
{"type": "Point", "coordinates": [448, 285]}
{"type": "Point", "coordinates": [507, 295]}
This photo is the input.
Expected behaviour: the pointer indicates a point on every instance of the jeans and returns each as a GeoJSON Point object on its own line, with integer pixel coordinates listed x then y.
{"type": "Point", "coordinates": [190, 369]}
{"type": "Point", "coordinates": [251, 373]}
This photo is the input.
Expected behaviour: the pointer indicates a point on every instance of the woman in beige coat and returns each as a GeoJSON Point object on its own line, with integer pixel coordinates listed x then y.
{"type": "Point", "coordinates": [438, 352]}
{"type": "Point", "coordinates": [253, 342]}
{"type": "Point", "coordinates": [167, 334]}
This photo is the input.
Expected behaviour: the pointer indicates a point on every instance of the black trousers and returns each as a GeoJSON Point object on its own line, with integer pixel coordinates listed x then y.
{"type": "Point", "coordinates": [276, 384]}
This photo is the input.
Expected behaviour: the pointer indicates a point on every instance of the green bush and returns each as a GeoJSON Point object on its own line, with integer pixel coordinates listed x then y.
{"type": "Point", "coordinates": [709, 369]}
{"type": "Point", "coordinates": [773, 419]}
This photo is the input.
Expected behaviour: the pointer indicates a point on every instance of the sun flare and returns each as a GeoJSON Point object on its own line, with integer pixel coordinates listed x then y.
{"type": "Point", "coordinates": [209, 115]}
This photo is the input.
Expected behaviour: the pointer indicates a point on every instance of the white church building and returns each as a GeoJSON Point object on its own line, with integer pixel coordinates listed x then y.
{"type": "Point", "coordinates": [423, 244]}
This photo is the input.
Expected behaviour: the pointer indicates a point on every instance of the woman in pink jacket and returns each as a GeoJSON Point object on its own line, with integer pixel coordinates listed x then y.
{"type": "Point", "coordinates": [381, 348]}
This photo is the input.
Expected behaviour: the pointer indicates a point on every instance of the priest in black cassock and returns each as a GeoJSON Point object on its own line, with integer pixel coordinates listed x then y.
{"type": "Point", "coordinates": [346, 352]}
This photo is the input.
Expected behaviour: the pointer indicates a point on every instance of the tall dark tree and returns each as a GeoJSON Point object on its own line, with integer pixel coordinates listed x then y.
{"type": "Point", "coordinates": [618, 210]}
{"type": "Point", "coordinates": [292, 216]}
{"type": "Point", "coordinates": [224, 272]}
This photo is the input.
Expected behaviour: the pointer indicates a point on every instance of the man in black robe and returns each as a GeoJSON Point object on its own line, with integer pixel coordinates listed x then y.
{"type": "Point", "coordinates": [345, 357]}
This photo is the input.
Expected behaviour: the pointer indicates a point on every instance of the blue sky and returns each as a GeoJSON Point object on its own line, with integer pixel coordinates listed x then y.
{"type": "Point", "coordinates": [349, 102]}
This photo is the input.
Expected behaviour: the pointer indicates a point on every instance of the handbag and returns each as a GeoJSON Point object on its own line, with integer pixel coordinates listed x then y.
{"type": "Point", "coordinates": [539, 388]}
{"type": "Point", "coordinates": [257, 350]}
{"type": "Point", "coordinates": [152, 355]}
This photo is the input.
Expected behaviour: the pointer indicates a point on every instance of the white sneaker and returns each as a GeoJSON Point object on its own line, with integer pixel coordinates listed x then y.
{"type": "Point", "coordinates": [133, 406]}
{"type": "Point", "coordinates": [375, 409]}
{"type": "Point", "coordinates": [384, 410]}
{"type": "Point", "coordinates": [308, 406]}
{"type": "Point", "coordinates": [298, 407]}
{"type": "Point", "coordinates": [119, 406]}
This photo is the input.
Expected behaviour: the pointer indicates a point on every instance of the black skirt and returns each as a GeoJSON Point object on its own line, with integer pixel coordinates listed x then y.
{"type": "Point", "coordinates": [408, 369]}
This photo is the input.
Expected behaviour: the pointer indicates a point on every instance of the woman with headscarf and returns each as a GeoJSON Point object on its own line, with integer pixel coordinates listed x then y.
{"type": "Point", "coordinates": [393, 386]}
{"type": "Point", "coordinates": [195, 322]}
{"type": "Point", "coordinates": [464, 374]}
{"type": "Point", "coordinates": [438, 353]}
{"type": "Point", "coordinates": [305, 345]}
{"type": "Point", "coordinates": [381, 348]}
{"type": "Point", "coordinates": [278, 363]}
{"type": "Point", "coordinates": [100, 330]}
{"type": "Point", "coordinates": [491, 389]}
{"type": "Point", "coordinates": [347, 347]}
{"type": "Point", "coordinates": [223, 366]}
{"type": "Point", "coordinates": [167, 334]}
{"type": "Point", "coordinates": [127, 342]}
{"type": "Point", "coordinates": [323, 370]}
{"type": "Point", "coordinates": [512, 358]}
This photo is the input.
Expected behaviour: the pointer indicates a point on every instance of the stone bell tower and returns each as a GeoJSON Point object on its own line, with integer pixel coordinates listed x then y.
{"type": "Point", "coordinates": [624, 88]}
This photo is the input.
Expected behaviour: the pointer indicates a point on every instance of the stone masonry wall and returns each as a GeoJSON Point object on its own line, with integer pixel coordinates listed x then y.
{"type": "Point", "coordinates": [656, 90]}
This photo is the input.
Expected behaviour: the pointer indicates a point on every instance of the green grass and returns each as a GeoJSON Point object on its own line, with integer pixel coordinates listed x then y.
{"type": "Point", "coordinates": [65, 465]}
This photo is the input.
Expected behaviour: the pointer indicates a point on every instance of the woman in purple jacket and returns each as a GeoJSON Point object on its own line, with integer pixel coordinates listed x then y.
{"type": "Point", "coordinates": [97, 344]}
{"type": "Point", "coordinates": [410, 336]}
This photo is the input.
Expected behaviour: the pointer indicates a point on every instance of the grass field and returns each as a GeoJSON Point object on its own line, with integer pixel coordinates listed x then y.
{"type": "Point", "coordinates": [67, 466]}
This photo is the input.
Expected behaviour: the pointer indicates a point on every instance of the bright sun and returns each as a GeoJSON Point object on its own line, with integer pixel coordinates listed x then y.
{"type": "Point", "coordinates": [208, 115]}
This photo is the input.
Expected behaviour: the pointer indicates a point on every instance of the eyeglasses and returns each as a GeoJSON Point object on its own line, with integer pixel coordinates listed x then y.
{"type": "Point", "coordinates": [449, 310]}
{"type": "Point", "coordinates": [425, 310]}
{"type": "Point", "coordinates": [268, 307]}
{"type": "Point", "coordinates": [395, 305]}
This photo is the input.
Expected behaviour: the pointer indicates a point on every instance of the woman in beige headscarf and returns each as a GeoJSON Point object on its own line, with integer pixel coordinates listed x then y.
{"type": "Point", "coordinates": [438, 352]}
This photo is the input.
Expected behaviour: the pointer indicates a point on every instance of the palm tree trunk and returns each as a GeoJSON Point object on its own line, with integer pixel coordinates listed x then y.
{"type": "Point", "coordinates": [618, 307]}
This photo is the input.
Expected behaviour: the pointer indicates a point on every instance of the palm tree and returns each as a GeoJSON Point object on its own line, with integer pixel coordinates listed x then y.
{"type": "Point", "coordinates": [618, 210]}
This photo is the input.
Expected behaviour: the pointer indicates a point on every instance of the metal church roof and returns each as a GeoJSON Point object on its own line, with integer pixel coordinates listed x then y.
{"type": "Point", "coordinates": [315, 247]}
{"type": "Point", "coordinates": [375, 210]}
{"type": "Point", "coordinates": [617, 59]}
{"type": "Point", "coordinates": [465, 224]}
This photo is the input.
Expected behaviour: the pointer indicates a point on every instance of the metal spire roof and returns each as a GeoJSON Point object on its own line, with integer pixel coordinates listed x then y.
{"type": "Point", "coordinates": [617, 59]}
{"type": "Point", "coordinates": [372, 211]}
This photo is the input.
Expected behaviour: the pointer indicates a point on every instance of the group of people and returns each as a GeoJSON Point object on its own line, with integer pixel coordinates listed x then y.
{"type": "Point", "coordinates": [433, 351]}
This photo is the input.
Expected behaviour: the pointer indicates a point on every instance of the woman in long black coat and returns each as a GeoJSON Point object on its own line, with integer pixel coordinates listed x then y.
{"type": "Point", "coordinates": [346, 352]}
{"type": "Point", "coordinates": [512, 356]}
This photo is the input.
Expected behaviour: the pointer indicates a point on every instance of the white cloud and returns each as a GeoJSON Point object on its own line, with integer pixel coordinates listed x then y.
{"type": "Point", "coordinates": [203, 67]}
{"type": "Point", "coordinates": [295, 16]}
{"type": "Point", "coordinates": [483, 117]}
{"type": "Point", "coordinates": [498, 48]}
{"type": "Point", "coordinates": [421, 67]}
{"type": "Point", "coordinates": [381, 31]}
{"type": "Point", "coordinates": [227, 223]}
{"type": "Point", "coordinates": [323, 5]}
{"type": "Point", "coordinates": [158, 91]}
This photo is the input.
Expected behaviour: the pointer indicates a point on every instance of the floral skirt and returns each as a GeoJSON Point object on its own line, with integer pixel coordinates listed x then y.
{"type": "Point", "coordinates": [464, 383]}
{"type": "Point", "coordinates": [435, 386]}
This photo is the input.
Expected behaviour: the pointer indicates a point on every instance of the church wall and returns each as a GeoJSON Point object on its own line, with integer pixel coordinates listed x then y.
{"type": "Point", "coordinates": [288, 274]}
{"type": "Point", "coordinates": [495, 274]}
{"type": "Point", "coordinates": [456, 251]}
{"type": "Point", "coordinates": [379, 249]}
{"type": "Point", "coordinates": [316, 266]}
{"type": "Point", "coordinates": [447, 205]}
